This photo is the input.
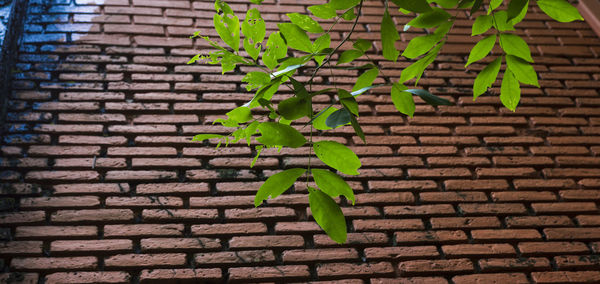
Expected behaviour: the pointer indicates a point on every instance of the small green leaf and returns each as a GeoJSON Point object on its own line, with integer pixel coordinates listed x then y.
{"type": "Point", "coordinates": [253, 29]}
{"type": "Point", "coordinates": [257, 2]}
{"type": "Point", "coordinates": [366, 79]}
{"type": "Point", "coordinates": [559, 10]}
{"type": "Point", "coordinates": [319, 122]}
{"type": "Point", "coordinates": [501, 23]}
{"type": "Point", "coordinates": [521, 15]}
{"type": "Point", "coordinates": [349, 56]}
{"type": "Point", "coordinates": [416, 69]}
{"type": "Point", "coordinates": [294, 108]}
{"type": "Point", "coordinates": [338, 118]}
{"type": "Point", "coordinates": [357, 129]}
{"type": "Point", "coordinates": [420, 45]}
{"type": "Point", "coordinates": [446, 4]}
{"type": "Point", "coordinates": [477, 5]}
{"type": "Point", "coordinates": [429, 98]}
{"type": "Point", "coordinates": [240, 114]}
{"type": "Point", "coordinates": [328, 215]}
{"type": "Point", "coordinates": [227, 25]}
{"type": "Point", "coordinates": [348, 101]}
{"type": "Point", "coordinates": [337, 156]}
{"type": "Point", "coordinates": [494, 4]}
{"type": "Point", "coordinates": [276, 49]}
{"type": "Point", "coordinates": [486, 77]}
{"type": "Point", "coordinates": [259, 149]}
{"type": "Point", "coordinates": [295, 37]}
{"type": "Point", "coordinates": [389, 36]}
{"type": "Point", "coordinates": [481, 25]}
{"type": "Point", "coordinates": [403, 101]}
{"type": "Point", "coordinates": [515, 7]}
{"type": "Point", "coordinates": [417, 6]}
{"type": "Point", "coordinates": [430, 19]}
{"type": "Point", "coordinates": [332, 184]}
{"type": "Point", "coordinates": [202, 137]}
{"type": "Point", "coordinates": [510, 92]}
{"type": "Point", "coordinates": [481, 49]}
{"type": "Point", "coordinates": [277, 134]}
{"type": "Point", "coordinates": [256, 79]}
{"type": "Point", "coordinates": [522, 70]}
{"type": "Point", "coordinates": [277, 184]}
{"type": "Point", "coordinates": [514, 45]}
{"type": "Point", "coordinates": [343, 4]}
{"type": "Point", "coordinates": [321, 45]}
{"type": "Point", "coordinates": [305, 22]}
{"type": "Point", "coordinates": [349, 15]}
{"type": "Point", "coordinates": [362, 45]}
{"type": "Point", "coordinates": [323, 11]}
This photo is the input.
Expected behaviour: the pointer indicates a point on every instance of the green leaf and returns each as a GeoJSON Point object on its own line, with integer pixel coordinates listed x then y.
{"type": "Point", "coordinates": [277, 134]}
{"type": "Point", "coordinates": [227, 25]}
{"type": "Point", "coordinates": [417, 6]}
{"type": "Point", "coordinates": [403, 101]}
{"type": "Point", "coordinates": [343, 4]}
{"type": "Point", "coordinates": [446, 4]}
{"type": "Point", "coordinates": [322, 45]}
{"type": "Point", "coordinates": [521, 15]}
{"type": "Point", "coordinates": [362, 45]}
{"type": "Point", "coordinates": [348, 101]}
{"type": "Point", "coordinates": [366, 79]}
{"type": "Point", "coordinates": [501, 22]}
{"type": "Point", "coordinates": [332, 184]}
{"type": "Point", "coordinates": [276, 49]}
{"type": "Point", "coordinates": [299, 89]}
{"type": "Point", "coordinates": [277, 184]}
{"type": "Point", "coordinates": [494, 4]}
{"type": "Point", "coordinates": [338, 118]}
{"type": "Point", "coordinates": [465, 4]}
{"type": "Point", "coordinates": [256, 79]}
{"type": "Point", "coordinates": [323, 11]}
{"type": "Point", "coordinates": [486, 77]}
{"type": "Point", "coordinates": [515, 7]}
{"type": "Point", "coordinates": [510, 93]}
{"type": "Point", "coordinates": [294, 108]}
{"type": "Point", "coordinates": [202, 137]}
{"type": "Point", "coordinates": [305, 22]}
{"type": "Point", "coordinates": [257, 2]}
{"type": "Point", "coordinates": [559, 10]}
{"type": "Point", "coordinates": [295, 37]}
{"type": "Point", "coordinates": [420, 45]}
{"type": "Point", "coordinates": [522, 70]}
{"type": "Point", "coordinates": [481, 49]}
{"type": "Point", "coordinates": [429, 98]}
{"type": "Point", "coordinates": [477, 5]}
{"type": "Point", "coordinates": [253, 29]}
{"type": "Point", "coordinates": [328, 215]}
{"type": "Point", "coordinates": [514, 45]}
{"type": "Point", "coordinates": [240, 114]}
{"type": "Point", "coordinates": [482, 24]}
{"type": "Point", "coordinates": [416, 69]}
{"type": "Point", "coordinates": [357, 129]}
{"type": "Point", "coordinates": [349, 15]}
{"type": "Point", "coordinates": [337, 156]}
{"type": "Point", "coordinates": [349, 56]}
{"type": "Point", "coordinates": [430, 19]}
{"type": "Point", "coordinates": [258, 149]}
{"type": "Point", "coordinates": [389, 36]}
{"type": "Point", "coordinates": [319, 122]}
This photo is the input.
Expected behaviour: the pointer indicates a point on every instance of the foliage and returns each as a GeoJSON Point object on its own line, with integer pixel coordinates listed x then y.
{"type": "Point", "coordinates": [277, 68]}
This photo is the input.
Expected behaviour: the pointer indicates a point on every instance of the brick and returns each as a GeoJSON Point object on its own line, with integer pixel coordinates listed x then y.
{"type": "Point", "coordinates": [466, 250]}
{"type": "Point", "coordinates": [524, 264]}
{"type": "Point", "coordinates": [347, 269]}
{"type": "Point", "coordinates": [492, 209]}
{"type": "Point", "coordinates": [521, 196]}
{"type": "Point", "coordinates": [319, 255]}
{"type": "Point", "coordinates": [288, 272]}
{"type": "Point", "coordinates": [538, 221]}
{"type": "Point", "coordinates": [260, 241]}
{"type": "Point", "coordinates": [179, 244]}
{"type": "Point", "coordinates": [387, 224]}
{"type": "Point", "coordinates": [50, 202]}
{"type": "Point", "coordinates": [410, 280]}
{"type": "Point", "coordinates": [448, 197]}
{"type": "Point", "coordinates": [266, 213]}
{"type": "Point", "coordinates": [480, 184]}
{"type": "Point", "coordinates": [91, 215]}
{"type": "Point", "coordinates": [97, 188]}
{"type": "Point", "coordinates": [564, 207]}
{"type": "Point", "coordinates": [427, 237]}
{"type": "Point", "coordinates": [53, 263]}
{"type": "Point", "coordinates": [507, 235]}
{"type": "Point", "coordinates": [565, 276]}
{"type": "Point", "coordinates": [576, 261]}
{"type": "Point", "coordinates": [464, 222]}
{"type": "Point", "coordinates": [89, 277]}
{"type": "Point", "coordinates": [179, 214]}
{"type": "Point", "coordinates": [356, 239]}
{"type": "Point", "coordinates": [91, 246]}
{"type": "Point", "coordinates": [228, 229]}
{"type": "Point", "coordinates": [26, 217]}
{"type": "Point", "coordinates": [143, 230]}
{"type": "Point", "coordinates": [548, 248]}
{"type": "Point", "coordinates": [420, 210]}
{"type": "Point", "coordinates": [231, 257]}
{"type": "Point", "coordinates": [571, 233]}
{"type": "Point", "coordinates": [144, 201]}
{"type": "Point", "coordinates": [401, 253]}
{"type": "Point", "coordinates": [56, 231]}
{"type": "Point", "coordinates": [161, 275]}
{"type": "Point", "coordinates": [451, 266]}
{"type": "Point", "coordinates": [21, 248]}
{"type": "Point", "coordinates": [492, 278]}
{"type": "Point", "coordinates": [154, 260]}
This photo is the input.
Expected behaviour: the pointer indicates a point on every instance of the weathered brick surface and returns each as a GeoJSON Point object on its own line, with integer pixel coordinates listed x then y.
{"type": "Point", "coordinates": [101, 183]}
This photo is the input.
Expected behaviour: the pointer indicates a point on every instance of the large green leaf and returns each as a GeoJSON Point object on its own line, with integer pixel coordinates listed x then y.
{"type": "Point", "coordinates": [430, 19]}
{"type": "Point", "coordinates": [349, 56]}
{"type": "Point", "coordinates": [343, 4]}
{"type": "Point", "coordinates": [420, 45]}
{"type": "Point", "coordinates": [494, 4]}
{"type": "Point", "coordinates": [324, 11]}
{"type": "Point", "coordinates": [319, 122]}
{"type": "Point", "coordinates": [276, 49]}
{"type": "Point", "coordinates": [389, 36]}
{"type": "Point", "coordinates": [510, 92]}
{"type": "Point", "coordinates": [481, 49]}
{"type": "Point", "coordinates": [417, 6]}
{"type": "Point", "coordinates": [482, 24]}
{"type": "Point", "coordinates": [294, 108]}
{"type": "Point", "coordinates": [515, 45]}
{"type": "Point", "coordinates": [321, 44]}
{"type": "Point", "coordinates": [486, 77]}
{"type": "Point", "coordinates": [240, 114]}
{"type": "Point", "coordinates": [305, 22]}
{"type": "Point", "coordinates": [328, 215]}
{"type": "Point", "coordinates": [295, 37]}
{"type": "Point", "coordinates": [337, 156]}
{"type": "Point", "coordinates": [501, 22]}
{"type": "Point", "coordinates": [517, 19]}
{"type": "Point", "coordinates": [332, 184]}
{"type": "Point", "coordinates": [277, 184]}
{"type": "Point", "coordinates": [338, 118]}
{"type": "Point", "coordinates": [362, 44]}
{"type": "Point", "coordinates": [227, 25]}
{"type": "Point", "coordinates": [477, 5]}
{"type": "Point", "coordinates": [277, 134]}
{"type": "Point", "coordinates": [348, 101]}
{"type": "Point", "coordinates": [253, 29]}
{"type": "Point", "coordinates": [357, 129]}
{"type": "Point", "coordinates": [429, 98]}
{"type": "Point", "coordinates": [559, 10]}
{"type": "Point", "coordinates": [446, 4]}
{"type": "Point", "coordinates": [202, 137]}
{"type": "Point", "coordinates": [256, 79]}
{"type": "Point", "coordinates": [403, 101]}
{"type": "Point", "coordinates": [416, 69]}
{"type": "Point", "coordinates": [515, 7]}
{"type": "Point", "coordinates": [366, 79]}
{"type": "Point", "coordinates": [522, 70]}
